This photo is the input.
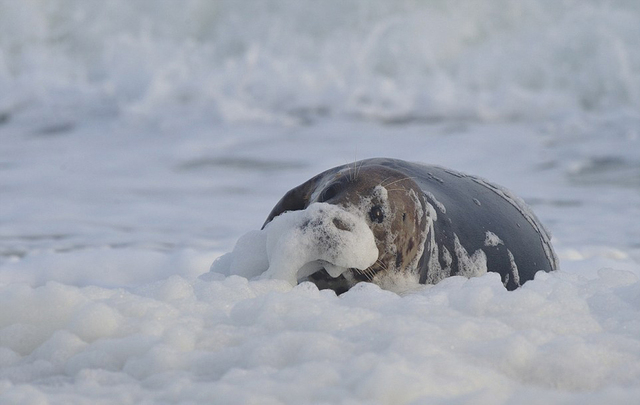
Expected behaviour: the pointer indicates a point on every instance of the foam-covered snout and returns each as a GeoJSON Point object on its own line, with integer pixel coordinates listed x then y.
{"type": "Point", "coordinates": [300, 243]}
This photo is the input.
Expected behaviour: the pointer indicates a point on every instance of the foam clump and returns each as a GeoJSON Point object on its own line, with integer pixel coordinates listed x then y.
{"type": "Point", "coordinates": [297, 243]}
{"type": "Point", "coordinates": [248, 259]}
{"type": "Point", "coordinates": [561, 336]}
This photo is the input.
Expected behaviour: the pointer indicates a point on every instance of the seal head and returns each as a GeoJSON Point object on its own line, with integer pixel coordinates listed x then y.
{"type": "Point", "coordinates": [388, 201]}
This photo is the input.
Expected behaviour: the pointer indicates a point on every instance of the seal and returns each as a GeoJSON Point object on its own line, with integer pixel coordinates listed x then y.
{"type": "Point", "coordinates": [429, 223]}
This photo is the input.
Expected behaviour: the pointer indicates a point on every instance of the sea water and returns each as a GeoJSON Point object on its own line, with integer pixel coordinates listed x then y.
{"type": "Point", "coordinates": [140, 140]}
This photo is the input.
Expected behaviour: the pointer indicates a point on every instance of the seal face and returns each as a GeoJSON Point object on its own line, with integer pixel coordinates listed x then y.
{"type": "Point", "coordinates": [429, 223]}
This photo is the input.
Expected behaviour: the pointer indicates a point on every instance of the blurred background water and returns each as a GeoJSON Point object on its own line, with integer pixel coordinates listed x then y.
{"type": "Point", "coordinates": [284, 61]}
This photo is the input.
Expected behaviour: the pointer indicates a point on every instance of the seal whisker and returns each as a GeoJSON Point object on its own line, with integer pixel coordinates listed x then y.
{"type": "Point", "coordinates": [355, 169]}
{"type": "Point", "coordinates": [358, 169]}
{"type": "Point", "coordinates": [348, 174]}
{"type": "Point", "coordinates": [383, 180]}
{"type": "Point", "coordinates": [382, 265]}
{"type": "Point", "coordinates": [372, 274]}
{"type": "Point", "coordinates": [396, 181]}
{"type": "Point", "coordinates": [396, 189]}
{"type": "Point", "coordinates": [368, 273]}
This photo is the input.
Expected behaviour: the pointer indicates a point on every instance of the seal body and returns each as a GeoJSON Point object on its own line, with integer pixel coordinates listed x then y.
{"type": "Point", "coordinates": [429, 223]}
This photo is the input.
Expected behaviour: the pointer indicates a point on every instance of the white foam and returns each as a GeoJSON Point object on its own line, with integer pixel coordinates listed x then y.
{"type": "Point", "coordinates": [248, 258]}
{"type": "Point", "coordinates": [295, 244]}
{"type": "Point", "coordinates": [491, 239]}
{"type": "Point", "coordinates": [294, 343]}
{"type": "Point", "coordinates": [470, 265]}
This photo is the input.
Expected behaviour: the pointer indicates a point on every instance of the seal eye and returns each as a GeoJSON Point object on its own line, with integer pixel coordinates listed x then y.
{"type": "Point", "coordinates": [376, 214]}
{"type": "Point", "coordinates": [329, 193]}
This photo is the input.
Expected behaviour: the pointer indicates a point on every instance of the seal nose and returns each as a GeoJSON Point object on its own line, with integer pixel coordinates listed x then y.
{"type": "Point", "coordinates": [341, 225]}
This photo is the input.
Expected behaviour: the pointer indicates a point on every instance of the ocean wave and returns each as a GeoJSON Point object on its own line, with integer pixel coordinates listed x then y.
{"type": "Point", "coordinates": [281, 60]}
